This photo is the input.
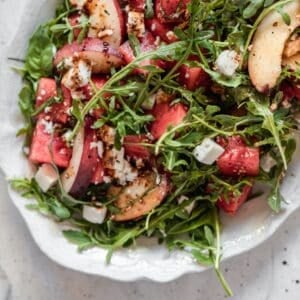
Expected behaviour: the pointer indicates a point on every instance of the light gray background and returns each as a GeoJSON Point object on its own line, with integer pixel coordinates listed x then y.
{"type": "Point", "coordinates": [271, 271]}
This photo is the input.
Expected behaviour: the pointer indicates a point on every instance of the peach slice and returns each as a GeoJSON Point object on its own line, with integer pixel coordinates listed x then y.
{"type": "Point", "coordinates": [77, 177]}
{"type": "Point", "coordinates": [268, 44]}
{"type": "Point", "coordinates": [139, 197]}
{"type": "Point", "coordinates": [107, 21]}
{"type": "Point", "coordinates": [101, 55]}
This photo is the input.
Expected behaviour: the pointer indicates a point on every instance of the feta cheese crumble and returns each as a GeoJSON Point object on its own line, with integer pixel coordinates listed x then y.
{"type": "Point", "coordinates": [46, 177]}
{"type": "Point", "coordinates": [189, 208]}
{"type": "Point", "coordinates": [149, 102]}
{"type": "Point", "coordinates": [77, 76]}
{"type": "Point", "coordinates": [48, 126]}
{"type": "Point", "coordinates": [267, 162]}
{"type": "Point", "coordinates": [227, 62]}
{"type": "Point", "coordinates": [121, 168]}
{"type": "Point", "coordinates": [95, 215]}
{"type": "Point", "coordinates": [208, 151]}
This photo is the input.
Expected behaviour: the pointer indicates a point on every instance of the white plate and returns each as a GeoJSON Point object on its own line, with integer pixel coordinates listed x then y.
{"type": "Point", "coordinates": [252, 225]}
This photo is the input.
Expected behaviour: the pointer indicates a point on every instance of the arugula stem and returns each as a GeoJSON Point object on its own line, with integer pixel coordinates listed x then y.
{"type": "Point", "coordinates": [63, 15]}
{"type": "Point", "coordinates": [217, 259]}
{"type": "Point", "coordinates": [202, 57]}
{"type": "Point", "coordinates": [222, 132]}
{"type": "Point", "coordinates": [44, 105]}
{"type": "Point", "coordinates": [173, 70]}
{"type": "Point", "coordinates": [142, 94]}
{"type": "Point", "coordinates": [222, 182]}
{"type": "Point", "coordinates": [269, 119]}
{"type": "Point", "coordinates": [168, 133]}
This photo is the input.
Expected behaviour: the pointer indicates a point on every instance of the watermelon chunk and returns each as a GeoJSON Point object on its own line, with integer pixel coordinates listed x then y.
{"type": "Point", "coordinates": [99, 173]}
{"type": "Point", "coordinates": [193, 77]}
{"type": "Point", "coordinates": [238, 159]}
{"type": "Point", "coordinates": [56, 112]}
{"type": "Point", "coordinates": [232, 204]}
{"type": "Point", "coordinates": [165, 116]}
{"type": "Point", "coordinates": [133, 149]}
{"type": "Point", "coordinates": [43, 141]}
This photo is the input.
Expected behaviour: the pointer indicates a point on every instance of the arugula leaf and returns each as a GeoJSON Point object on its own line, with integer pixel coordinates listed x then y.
{"type": "Point", "coordinates": [261, 108]}
{"type": "Point", "coordinates": [274, 178]}
{"type": "Point", "coordinates": [26, 105]}
{"type": "Point", "coordinates": [66, 29]}
{"type": "Point", "coordinates": [286, 18]}
{"type": "Point", "coordinates": [172, 161]}
{"type": "Point", "coordinates": [290, 148]}
{"type": "Point", "coordinates": [202, 258]}
{"type": "Point", "coordinates": [190, 226]}
{"type": "Point", "coordinates": [59, 210]}
{"type": "Point", "coordinates": [252, 8]}
{"type": "Point", "coordinates": [268, 3]}
{"type": "Point", "coordinates": [234, 81]}
{"type": "Point", "coordinates": [39, 58]}
{"type": "Point", "coordinates": [76, 110]}
{"type": "Point", "coordinates": [134, 44]}
{"type": "Point", "coordinates": [209, 235]}
{"type": "Point", "coordinates": [26, 102]}
{"type": "Point", "coordinates": [47, 203]}
{"type": "Point", "coordinates": [79, 238]}
{"type": "Point", "coordinates": [275, 199]}
{"type": "Point", "coordinates": [149, 11]}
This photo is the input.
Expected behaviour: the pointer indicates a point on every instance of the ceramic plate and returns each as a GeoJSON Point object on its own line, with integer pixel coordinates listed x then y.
{"type": "Point", "coordinates": [253, 224]}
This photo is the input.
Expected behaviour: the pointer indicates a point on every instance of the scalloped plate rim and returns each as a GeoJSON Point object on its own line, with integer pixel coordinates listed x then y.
{"type": "Point", "coordinates": [266, 232]}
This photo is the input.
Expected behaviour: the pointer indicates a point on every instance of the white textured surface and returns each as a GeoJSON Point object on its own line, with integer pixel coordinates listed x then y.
{"type": "Point", "coordinates": [259, 274]}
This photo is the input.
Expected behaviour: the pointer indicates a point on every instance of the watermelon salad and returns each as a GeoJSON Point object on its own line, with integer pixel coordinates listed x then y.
{"type": "Point", "coordinates": [149, 118]}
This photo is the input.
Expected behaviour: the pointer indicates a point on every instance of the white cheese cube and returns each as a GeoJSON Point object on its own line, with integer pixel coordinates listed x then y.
{"type": "Point", "coordinates": [267, 162]}
{"type": "Point", "coordinates": [149, 102]}
{"type": "Point", "coordinates": [46, 177]}
{"type": "Point", "coordinates": [95, 215]}
{"type": "Point", "coordinates": [208, 152]}
{"type": "Point", "coordinates": [227, 62]}
{"type": "Point", "coordinates": [189, 208]}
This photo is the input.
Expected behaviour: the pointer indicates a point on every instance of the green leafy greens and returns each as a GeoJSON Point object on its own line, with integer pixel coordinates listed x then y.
{"type": "Point", "coordinates": [230, 107]}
